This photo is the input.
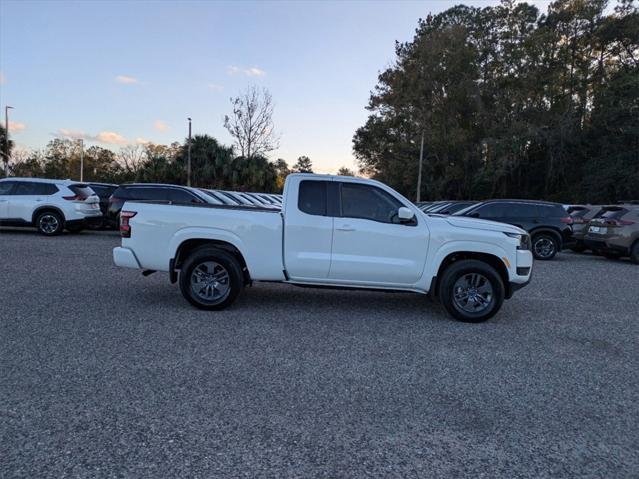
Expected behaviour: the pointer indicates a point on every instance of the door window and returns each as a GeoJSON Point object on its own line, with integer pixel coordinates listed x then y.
{"type": "Point", "coordinates": [522, 210]}
{"type": "Point", "coordinates": [25, 188]}
{"type": "Point", "coordinates": [181, 196]}
{"type": "Point", "coordinates": [369, 203]}
{"type": "Point", "coordinates": [5, 187]}
{"type": "Point", "coordinates": [492, 210]}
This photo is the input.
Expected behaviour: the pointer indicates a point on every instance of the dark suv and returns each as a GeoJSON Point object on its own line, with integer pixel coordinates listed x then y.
{"type": "Point", "coordinates": [104, 192]}
{"type": "Point", "coordinates": [549, 224]}
{"type": "Point", "coordinates": [150, 191]}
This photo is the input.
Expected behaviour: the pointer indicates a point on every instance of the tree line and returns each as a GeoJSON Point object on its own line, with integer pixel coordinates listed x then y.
{"type": "Point", "coordinates": [213, 164]}
{"type": "Point", "coordinates": [511, 102]}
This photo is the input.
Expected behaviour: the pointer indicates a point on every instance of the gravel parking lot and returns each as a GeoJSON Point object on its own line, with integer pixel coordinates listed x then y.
{"type": "Point", "coordinates": [104, 373]}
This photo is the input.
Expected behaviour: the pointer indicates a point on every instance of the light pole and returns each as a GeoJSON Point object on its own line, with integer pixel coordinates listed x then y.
{"type": "Point", "coordinates": [81, 159]}
{"type": "Point", "coordinates": [419, 174]}
{"type": "Point", "coordinates": [188, 154]}
{"type": "Point", "coordinates": [6, 139]}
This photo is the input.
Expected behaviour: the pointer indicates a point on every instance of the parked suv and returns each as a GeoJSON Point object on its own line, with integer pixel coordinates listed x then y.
{"type": "Point", "coordinates": [49, 205]}
{"type": "Point", "coordinates": [581, 216]}
{"type": "Point", "coordinates": [152, 191]}
{"type": "Point", "coordinates": [615, 233]}
{"type": "Point", "coordinates": [549, 224]}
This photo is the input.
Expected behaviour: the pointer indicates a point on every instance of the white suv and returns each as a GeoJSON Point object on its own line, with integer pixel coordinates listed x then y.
{"type": "Point", "coordinates": [49, 205]}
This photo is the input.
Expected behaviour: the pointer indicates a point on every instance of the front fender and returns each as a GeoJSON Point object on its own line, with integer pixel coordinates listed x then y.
{"type": "Point", "coordinates": [467, 246]}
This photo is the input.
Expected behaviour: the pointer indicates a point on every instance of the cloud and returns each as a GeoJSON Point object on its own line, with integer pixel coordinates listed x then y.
{"type": "Point", "coordinates": [3, 80]}
{"type": "Point", "coordinates": [215, 87]}
{"type": "Point", "coordinates": [72, 134]}
{"type": "Point", "coordinates": [141, 141]}
{"type": "Point", "coordinates": [254, 72]}
{"type": "Point", "coordinates": [249, 72]}
{"type": "Point", "coordinates": [160, 125]}
{"type": "Point", "coordinates": [127, 80]}
{"type": "Point", "coordinates": [15, 126]}
{"type": "Point", "coordinates": [111, 138]}
{"type": "Point", "coordinates": [107, 137]}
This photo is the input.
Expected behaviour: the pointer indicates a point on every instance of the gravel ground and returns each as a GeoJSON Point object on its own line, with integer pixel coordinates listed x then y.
{"type": "Point", "coordinates": [104, 373]}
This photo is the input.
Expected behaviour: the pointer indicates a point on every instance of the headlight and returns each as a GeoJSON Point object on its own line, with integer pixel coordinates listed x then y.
{"type": "Point", "coordinates": [524, 240]}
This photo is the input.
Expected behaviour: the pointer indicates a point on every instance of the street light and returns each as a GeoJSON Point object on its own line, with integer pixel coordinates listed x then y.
{"type": "Point", "coordinates": [81, 159]}
{"type": "Point", "coordinates": [188, 167]}
{"type": "Point", "coordinates": [6, 139]}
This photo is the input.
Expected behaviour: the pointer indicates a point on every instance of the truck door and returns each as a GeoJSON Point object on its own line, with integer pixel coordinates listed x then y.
{"type": "Point", "coordinates": [370, 244]}
{"type": "Point", "coordinates": [308, 230]}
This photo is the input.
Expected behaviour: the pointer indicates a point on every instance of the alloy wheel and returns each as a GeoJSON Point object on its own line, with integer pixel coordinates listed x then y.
{"type": "Point", "coordinates": [210, 281]}
{"type": "Point", "coordinates": [544, 247]}
{"type": "Point", "coordinates": [473, 293]}
{"type": "Point", "coordinates": [49, 223]}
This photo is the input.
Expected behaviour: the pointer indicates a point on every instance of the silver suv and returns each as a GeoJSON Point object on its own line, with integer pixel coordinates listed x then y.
{"type": "Point", "coordinates": [49, 205]}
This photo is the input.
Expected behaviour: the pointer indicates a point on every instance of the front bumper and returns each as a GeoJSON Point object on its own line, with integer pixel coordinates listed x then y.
{"type": "Point", "coordinates": [125, 258]}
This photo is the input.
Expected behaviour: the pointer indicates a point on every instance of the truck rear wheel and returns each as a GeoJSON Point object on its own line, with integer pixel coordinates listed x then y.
{"type": "Point", "coordinates": [211, 278]}
{"type": "Point", "coordinates": [471, 291]}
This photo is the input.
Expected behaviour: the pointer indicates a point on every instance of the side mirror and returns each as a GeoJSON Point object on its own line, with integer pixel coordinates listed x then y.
{"type": "Point", "coordinates": [474, 215]}
{"type": "Point", "coordinates": [405, 214]}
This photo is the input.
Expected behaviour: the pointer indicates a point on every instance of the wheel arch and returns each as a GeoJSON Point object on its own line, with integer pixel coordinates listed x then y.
{"type": "Point", "coordinates": [548, 230]}
{"type": "Point", "coordinates": [43, 209]}
{"type": "Point", "coordinates": [188, 246]}
{"type": "Point", "coordinates": [488, 258]}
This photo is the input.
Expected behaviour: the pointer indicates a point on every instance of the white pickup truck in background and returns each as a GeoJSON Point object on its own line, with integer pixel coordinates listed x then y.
{"type": "Point", "coordinates": [331, 231]}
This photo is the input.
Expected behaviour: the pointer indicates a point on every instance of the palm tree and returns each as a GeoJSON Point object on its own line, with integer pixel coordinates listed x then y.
{"type": "Point", "coordinates": [8, 145]}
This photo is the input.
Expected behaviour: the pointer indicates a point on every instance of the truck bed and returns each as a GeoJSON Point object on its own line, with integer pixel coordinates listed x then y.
{"type": "Point", "coordinates": [159, 228]}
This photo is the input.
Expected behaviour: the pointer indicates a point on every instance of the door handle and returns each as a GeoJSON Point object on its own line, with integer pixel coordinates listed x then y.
{"type": "Point", "coordinates": [345, 228]}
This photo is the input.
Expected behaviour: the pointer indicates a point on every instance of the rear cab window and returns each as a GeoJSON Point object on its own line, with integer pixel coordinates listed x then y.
{"type": "Point", "coordinates": [312, 198]}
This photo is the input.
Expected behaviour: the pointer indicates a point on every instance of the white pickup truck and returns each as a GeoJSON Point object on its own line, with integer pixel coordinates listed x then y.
{"type": "Point", "coordinates": [332, 231]}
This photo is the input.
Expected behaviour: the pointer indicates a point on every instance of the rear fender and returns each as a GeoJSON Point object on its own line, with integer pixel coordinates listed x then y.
{"type": "Point", "coordinates": [213, 234]}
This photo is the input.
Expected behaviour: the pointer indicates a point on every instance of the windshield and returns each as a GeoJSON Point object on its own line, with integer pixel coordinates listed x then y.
{"type": "Point", "coordinates": [463, 212]}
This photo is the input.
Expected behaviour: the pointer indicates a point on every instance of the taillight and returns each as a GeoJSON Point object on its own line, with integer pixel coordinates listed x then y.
{"type": "Point", "coordinates": [125, 227]}
{"type": "Point", "coordinates": [75, 198]}
{"type": "Point", "coordinates": [568, 220]}
{"type": "Point", "coordinates": [619, 222]}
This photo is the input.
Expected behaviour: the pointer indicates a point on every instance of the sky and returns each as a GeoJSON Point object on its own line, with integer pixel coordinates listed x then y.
{"type": "Point", "coordinates": [124, 72]}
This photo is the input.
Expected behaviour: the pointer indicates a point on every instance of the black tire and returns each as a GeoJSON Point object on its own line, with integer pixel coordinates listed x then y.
{"type": "Point", "coordinates": [75, 229]}
{"type": "Point", "coordinates": [458, 274]}
{"type": "Point", "coordinates": [634, 253]}
{"type": "Point", "coordinates": [49, 223]}
{"type": "Point", "coordinates": [544, 246]}
{"type": "Point", "coordinates": [198, 264]}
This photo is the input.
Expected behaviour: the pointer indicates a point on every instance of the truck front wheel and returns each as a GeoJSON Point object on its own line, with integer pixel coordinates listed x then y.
{"type": "Point", "coordinates": [211, 278]}
{"type": "Point", "coordinates": [471, 291]}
